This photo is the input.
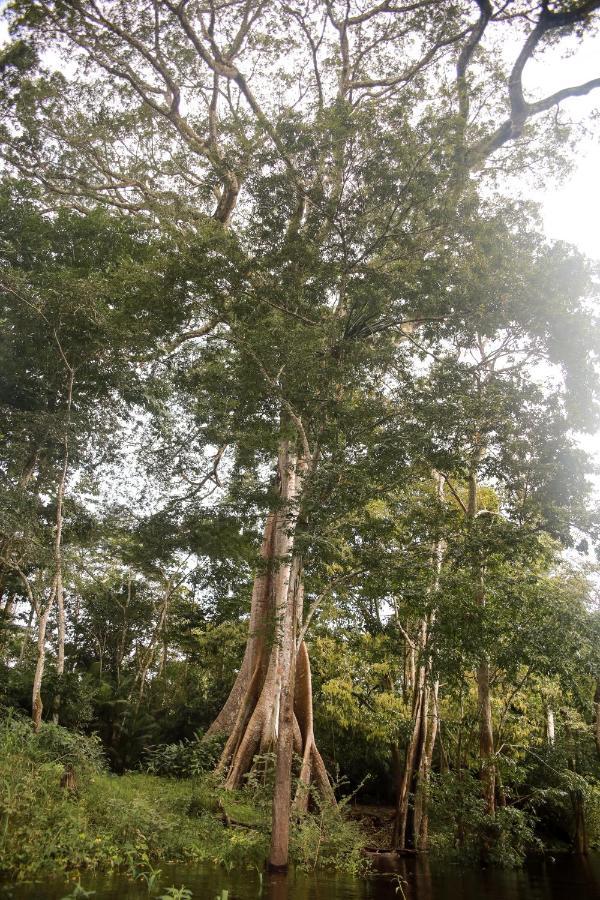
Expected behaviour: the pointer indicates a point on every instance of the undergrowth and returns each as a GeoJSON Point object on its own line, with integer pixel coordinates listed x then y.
{"type": "Point", "coordinates": [137, 821]}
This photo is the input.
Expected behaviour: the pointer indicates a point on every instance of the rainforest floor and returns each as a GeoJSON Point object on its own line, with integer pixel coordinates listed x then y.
{"type": "Point", "coordinates": [52, 822]}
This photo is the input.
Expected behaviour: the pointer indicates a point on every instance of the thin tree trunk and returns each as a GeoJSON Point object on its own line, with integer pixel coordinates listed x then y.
{"type": "Point", "coordinates": [482, 675]}
{"type": "Point", "coordinates": [397, 769]}
{"type": "Point", "coordinates": [58, 561]}
{"type": "Point", "coordinates": [411, 813]}
{"type": "Point", "coordinates": [120, 648]}
{"type": "Point", "coordinates": [43, 615]}
{"type": "Point", "coordinates": [282, 792]}
{"type": "Point", "coordinates": [403, 836]}
{"type": "Point", "coordinates": [60, 660]}
{"type": "Point", "coordinates": [550, 726]}
{"type": "Point", "coordinates": [422, 795]}
{"type": "Point", "coordinates": [597, 716]}
{"type": "Point", "coordinates": [581, 838]}
{"type": "Point", "coordinates": [408, 683]}
{"type": "Point", "coordinates": [37, 707]}
{"type": "Point", "coordinates": [486, 737]}
{"type": "Point", "coordinates": [157, 635]}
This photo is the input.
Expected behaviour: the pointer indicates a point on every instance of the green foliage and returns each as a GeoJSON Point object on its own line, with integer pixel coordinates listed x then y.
{"type": "Point", "coordinates": [185, 759]}
{"type": "Point", "coordinates": [175, 893]}
{"type": "Point", "coordinates": [463, 831]}
{"type": "Point", "coordinates": [326, 838]}
{"type": "Point", "coordinates": [397, 321]}
{"type": "Point", "coordinates": [52, 744]}
{"type": "Point", "coordinates": [567, 800]}
{"type": "Point", "coordinates": [135, 821]}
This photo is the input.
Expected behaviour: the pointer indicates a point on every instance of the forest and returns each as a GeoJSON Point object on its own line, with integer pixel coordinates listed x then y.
{"type": "Point", "coordinates": [298, 533]}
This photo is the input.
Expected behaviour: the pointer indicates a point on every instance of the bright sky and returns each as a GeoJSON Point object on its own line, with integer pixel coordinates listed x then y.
{"type": "Point", "coordinates": [572, 211]}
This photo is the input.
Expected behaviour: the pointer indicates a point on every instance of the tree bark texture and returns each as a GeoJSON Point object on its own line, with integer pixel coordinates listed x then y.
{"type": "Point", "coordinates": [58, 560]}
{"type": "Point", "coordinates": [270, 704]}
{"type": "Point", "coordinates": [37, 706]}
{"type": "Point", "coordinates": [421, 829]}
{"type": "Point", "coordinates": [56, 591]}
{"type": "Point", "coordinates": [482, 674]}
{"type": "Point", "coordinates": [411, 825]}
{"type": "Point", "coordinates": [486, 737]}
{"type": "Point", "coordinates": [550, 726]}
{"type": "Point", "coordinates": [597, 716]}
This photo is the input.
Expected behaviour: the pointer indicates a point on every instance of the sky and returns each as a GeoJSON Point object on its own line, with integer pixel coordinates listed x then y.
{"type": "Point", "coordinates": [572, 211]}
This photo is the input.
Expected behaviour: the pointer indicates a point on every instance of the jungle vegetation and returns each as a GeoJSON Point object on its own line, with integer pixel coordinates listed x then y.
{"type": "Point", "coordinates": [293, 503]}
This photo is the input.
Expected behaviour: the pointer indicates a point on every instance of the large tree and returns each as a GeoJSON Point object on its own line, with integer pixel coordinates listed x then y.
{"type": "Point", "coordinates": [335, 177]}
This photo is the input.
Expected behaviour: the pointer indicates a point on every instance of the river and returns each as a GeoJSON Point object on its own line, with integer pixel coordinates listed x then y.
{"type": "Point", "coordinates": [564, 878]}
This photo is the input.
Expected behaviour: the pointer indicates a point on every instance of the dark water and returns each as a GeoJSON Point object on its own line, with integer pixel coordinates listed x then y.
{"type": "Point", "coordinates": [566, 878]}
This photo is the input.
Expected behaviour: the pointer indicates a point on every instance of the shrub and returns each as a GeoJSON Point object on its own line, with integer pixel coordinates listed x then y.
{"type": "Point", "coordinates": [327, 839]}
{"type": "Point", "coordinates": [52, 744]}
{"type": "Point", "coordinates": [185, 759]}
{"type": "Point", "coordinates": [460, 827]}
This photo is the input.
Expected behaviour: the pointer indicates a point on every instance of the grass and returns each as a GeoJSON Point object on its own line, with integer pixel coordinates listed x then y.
{"type": "Point", "coordinates": [136, 821]}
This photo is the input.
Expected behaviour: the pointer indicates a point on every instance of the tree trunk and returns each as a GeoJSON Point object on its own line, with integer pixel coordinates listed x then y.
{"type": "Point", "coordinates": [486, 737]}
{"type": "Point", "coordinates": [282, 792]}
{"type": "Point", "coordinates": [422, 795]}
{"type": "Point", "coordinates": [60, 660]}
{"type": "Point", "coordinates": [258, 633]}
{"type": "Point", "coordinates": [580, 839]}
{"type": "Point", "coordinates": [396, 765]}
{"type": "Point", "coordinates": [149, 655]}
{"type": "Point", "coordinates": [256, 715]}
{"type": "Point", "coordinates": [411, 824]}
{"type": "Point", "coordinates": [408, 682]}
{"type": "Point", "coordinates": [550, 726]}
{"type": "Point", "coordinates": [313, 768]}
{"type": "Point", "coordinates": [403, 836]}
{"type": "Point", "coordinates": [58, 576]}
{"type": "Point", "coordinates": [37, 707]}
{"type": "Point", "coordinates": [482, 675]}
{"type": "Point", "coordinates": [597, 716]}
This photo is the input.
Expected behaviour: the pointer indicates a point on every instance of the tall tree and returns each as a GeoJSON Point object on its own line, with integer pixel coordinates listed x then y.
{"type": "Point", "coordinates": [344, 241]}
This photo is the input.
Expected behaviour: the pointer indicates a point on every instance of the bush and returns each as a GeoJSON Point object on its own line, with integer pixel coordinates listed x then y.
{"type": "Point", "coordinates": [84, 753]}
{"type": "Point", "coordinates": [52, 744]}
{"type": "Point", "coordinates": [328, 839]}
{"type": "Point", "coordinates": [559, 803]}
{"type": "Point", "coordinates": [460, 827]}
{"type": "Point", "coordinates": [185, 759]}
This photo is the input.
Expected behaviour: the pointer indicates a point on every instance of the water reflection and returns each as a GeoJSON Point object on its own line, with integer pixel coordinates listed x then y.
{"type": "Point", "coordinates": [567, 878]}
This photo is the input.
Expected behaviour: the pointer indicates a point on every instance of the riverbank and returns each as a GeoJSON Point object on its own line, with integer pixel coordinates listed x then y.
{"type": "Point", "coordinates": [61, 811]}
